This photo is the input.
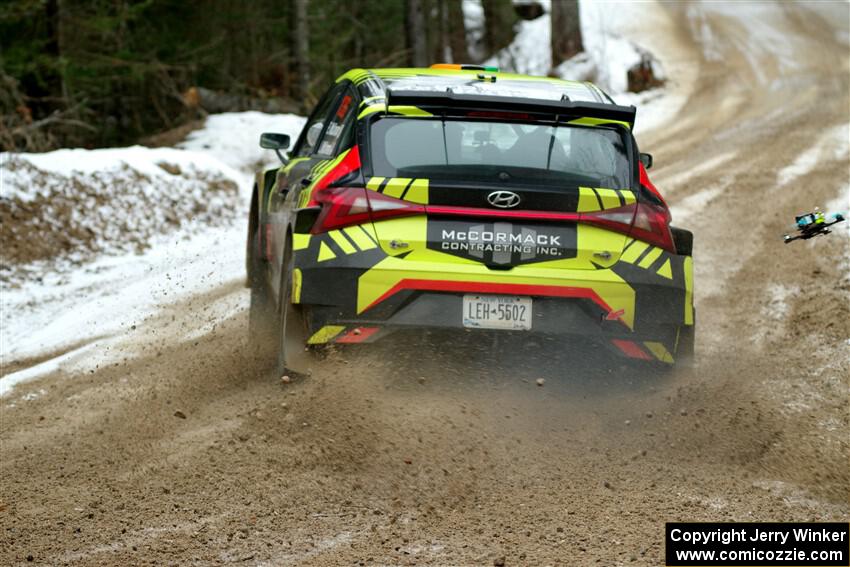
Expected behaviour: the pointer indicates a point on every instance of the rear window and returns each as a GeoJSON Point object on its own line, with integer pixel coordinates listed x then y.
{"type": "Point", "coordinates": [499, 152]}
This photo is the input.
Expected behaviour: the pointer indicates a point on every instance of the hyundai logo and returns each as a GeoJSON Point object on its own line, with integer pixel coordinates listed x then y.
{"type": "Point", "coordinates": [503, 199]}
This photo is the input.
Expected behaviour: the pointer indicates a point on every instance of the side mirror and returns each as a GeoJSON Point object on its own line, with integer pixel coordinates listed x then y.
{"type": "Point", "coordinates": [273, 141]}
{"type": "Point", "coordinates": [646, 160]}
{"type": "Point", "coordinates": [276, 142]}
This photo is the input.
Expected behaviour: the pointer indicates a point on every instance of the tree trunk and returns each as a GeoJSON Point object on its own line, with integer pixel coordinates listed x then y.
{"type": "Point", "coordinates": [302, 49]}
{"type": "Point", "coordinates": [457, 32]}
{"type": "Point", "coordinates": [53, 47]}
{"type": "Point", "coordinates": [499, 19]}
{"type": "Point", "coordinates": [415, 30]}
{"type": "Point", "coordinates": [566, 31]}
{"type": "Point", "coordinates": [443, 45]}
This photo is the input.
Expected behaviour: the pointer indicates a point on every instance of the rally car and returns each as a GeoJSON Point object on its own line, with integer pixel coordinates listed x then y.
{"type": "Point", "coordinates": [463, 198]}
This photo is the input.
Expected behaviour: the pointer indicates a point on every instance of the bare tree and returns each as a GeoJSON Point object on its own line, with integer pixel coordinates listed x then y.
{"type": "Point", "coordinates": [566, 31]}
{"type": "Point", "coordinates": [415, 27]}
{"type": "Point", "coordinates": [499, 20]}
{"type": "Point", "coordinates": [457, 32]}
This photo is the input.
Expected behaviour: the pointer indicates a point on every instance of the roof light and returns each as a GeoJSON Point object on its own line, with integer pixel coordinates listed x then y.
{"type": "Point", "coordinates": [464, 67]}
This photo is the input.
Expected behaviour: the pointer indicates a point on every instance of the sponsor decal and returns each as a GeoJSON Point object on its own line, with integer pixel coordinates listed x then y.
{"type": "Point", "coordinates": [503, 243]}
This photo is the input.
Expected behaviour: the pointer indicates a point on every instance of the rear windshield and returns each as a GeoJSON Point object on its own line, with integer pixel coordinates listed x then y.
{"type": "Point", "coordinates": [499, 152]}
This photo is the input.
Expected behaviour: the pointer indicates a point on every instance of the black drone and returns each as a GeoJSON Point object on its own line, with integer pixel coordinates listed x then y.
{"type": "Point", "coordinates": [813, 224]}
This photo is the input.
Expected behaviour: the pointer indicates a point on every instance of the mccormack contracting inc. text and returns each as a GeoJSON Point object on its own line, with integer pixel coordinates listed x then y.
{"type": "Point", "coordinates": [757, 544]}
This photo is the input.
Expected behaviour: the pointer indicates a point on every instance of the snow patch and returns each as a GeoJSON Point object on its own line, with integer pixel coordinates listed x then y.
{"type": "Point", "coordinates": [233, 138]}
{"type": "Point", "coordinates": [834, 144]}
{"type": "Point", "coordinates": [97, 302]}
{"type": "Point", "coordinates": [9, 381]}
{"type": "Point", "coordinates": [694, 204]}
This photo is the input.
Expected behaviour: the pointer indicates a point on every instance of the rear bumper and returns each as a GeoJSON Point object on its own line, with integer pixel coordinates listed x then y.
{"type": "Point", "coordinates": [366, 295]}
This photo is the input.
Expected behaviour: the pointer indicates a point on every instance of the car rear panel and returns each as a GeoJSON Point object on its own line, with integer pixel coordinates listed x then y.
{"type": "Point", "coordinates": [365, 281]}
{"type": "Point", "coordinates": [460, 223]}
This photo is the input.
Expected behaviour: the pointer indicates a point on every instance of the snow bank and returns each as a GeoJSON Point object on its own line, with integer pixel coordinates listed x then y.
{"type": "Point", "coordinates": [233, 138]}
{"type": "Point", "coordinates": [96, 241]}
{"type": "Point", "coordinates": [73, 204]}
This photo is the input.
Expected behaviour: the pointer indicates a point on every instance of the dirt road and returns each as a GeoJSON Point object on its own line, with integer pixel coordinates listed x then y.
{"type": "Point", "coordinates": [182, 450]}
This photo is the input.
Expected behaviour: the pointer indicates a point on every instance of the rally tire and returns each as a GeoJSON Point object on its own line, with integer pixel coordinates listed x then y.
{"type": "Point", "coordinates": [262, 314]}
{"type": "Point", "coordinates": [292, 354]}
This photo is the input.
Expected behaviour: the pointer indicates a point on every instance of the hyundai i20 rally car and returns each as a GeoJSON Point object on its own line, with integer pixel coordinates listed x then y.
{"type": "Point", "coordinates": [468, 199]}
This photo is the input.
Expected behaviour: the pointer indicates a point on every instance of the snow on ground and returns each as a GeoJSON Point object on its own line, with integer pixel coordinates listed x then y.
{"type": "Point", "coordinates": [72, 309]}
{"type": "Point", "coordinates": [833, 144]}
{"type": "Point", "coordinates": [68, 205]}
{"type": "Point", "coordinates": [233, 137]}
{"type": "Point", "coordinates": [77, 317]}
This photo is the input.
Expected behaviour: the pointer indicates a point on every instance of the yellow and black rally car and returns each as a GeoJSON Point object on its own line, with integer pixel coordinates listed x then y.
{"type": "Point", "coordinates": [459, 197]}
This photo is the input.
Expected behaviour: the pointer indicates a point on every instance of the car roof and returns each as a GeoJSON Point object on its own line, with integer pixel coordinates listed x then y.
{"type": "Point", "coordinates": [395, 89]}
{"type": "Point", "coordinates": [376, 82]}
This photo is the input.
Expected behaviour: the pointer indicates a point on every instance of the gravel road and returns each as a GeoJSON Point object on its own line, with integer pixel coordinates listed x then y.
{"type": "Point", "coordinates": [186, 451]}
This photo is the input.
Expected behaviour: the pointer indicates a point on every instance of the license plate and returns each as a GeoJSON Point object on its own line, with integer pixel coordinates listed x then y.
{"type": "Point", "coordinates": [497, 312]}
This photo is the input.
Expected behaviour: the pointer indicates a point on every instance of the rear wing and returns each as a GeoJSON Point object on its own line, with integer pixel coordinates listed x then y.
{"type": "Point", "coordinates": [443, 102]}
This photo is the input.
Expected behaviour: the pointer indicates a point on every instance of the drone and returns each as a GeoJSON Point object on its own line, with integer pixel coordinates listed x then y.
{"type": "Point", "coordinates": [813, 224]}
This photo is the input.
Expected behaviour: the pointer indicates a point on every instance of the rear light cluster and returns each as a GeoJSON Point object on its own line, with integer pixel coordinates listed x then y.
{"type": "Point", "coordinates": [345, 206]}
{"type": "Point", "coordinates": [645, 221]}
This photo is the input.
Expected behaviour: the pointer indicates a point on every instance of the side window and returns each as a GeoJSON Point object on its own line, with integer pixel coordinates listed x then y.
{"type": "Point", "coordinates": [339, 125]}
{"type": "Point", "coordinates": [316, 123]}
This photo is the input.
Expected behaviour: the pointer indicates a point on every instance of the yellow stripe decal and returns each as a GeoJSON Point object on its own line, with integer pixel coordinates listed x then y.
{"type": "Point", "coordinates": [596, 122]}
{"type": "Point", "coordinates": [418, 192]}
{"type": "Point", "coordinates": [374, 183]}
{"type": "Point", "coordinates": [325, 253]}
{"type": "Point", "coordinates": [325, 334]}
{"type": "Point", "coordinates": [342, 242]}
{"type": "Point", "coordinates": [633, 252]}
{"type": "Point", "coordinates": [628, 196]}
{"type": "Point", "coordinates": [587, 201]}
{"type": "Point", "coordinates": [408, 110]}
{"type": "Point", "coordinates": [396, 186]}
{"type": "Point", "coordinates": [371, 110]}
{"type": "Point", "coordinates": [609, 197]}
{"type": "Point", "coordinates": [660, 351]}
{"type": "Point", "coordinates": [296, 285]}
{"type": "Point", "coordinates": [665, 271]}
{"type": "Point", "coordinates": [420, 265]}
{"type": "Point", "coordinates": [688, 268]}
{"type": "Point", "coordinates": [300, 241]}
{"type": "Point", "coordinates": [650, 258]}
{"type": "Point", "coordinates": [360, 237]}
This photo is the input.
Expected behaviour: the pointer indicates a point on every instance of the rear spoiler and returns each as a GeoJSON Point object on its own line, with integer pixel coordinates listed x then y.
{"type": "Point", "coordinates": [443, 101]}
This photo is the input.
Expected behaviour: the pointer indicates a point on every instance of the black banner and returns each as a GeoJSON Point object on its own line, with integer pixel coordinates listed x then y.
{"type": "Point", "coordinates": [757, 544]}
{"type": "Point", "coordinates": [503, 243]}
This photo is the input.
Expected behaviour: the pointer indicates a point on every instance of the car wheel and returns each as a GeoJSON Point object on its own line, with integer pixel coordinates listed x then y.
{"type": "Point", "coordinates": [292, 353]}
{"type": "Point", "coordinates": [262, 315]}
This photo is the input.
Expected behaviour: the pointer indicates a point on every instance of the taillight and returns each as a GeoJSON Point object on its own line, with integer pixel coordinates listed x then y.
{"type": "Point", "coordinates": [382, 206]}
{"type": "Point", "coordinates": [341, 206]}
{"type": "Point", "coordinates": [652, 224]}
{"type": "Point", "coordinates": [346, 206]}
{"type": "Point", "coordinates": [644, 221]}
